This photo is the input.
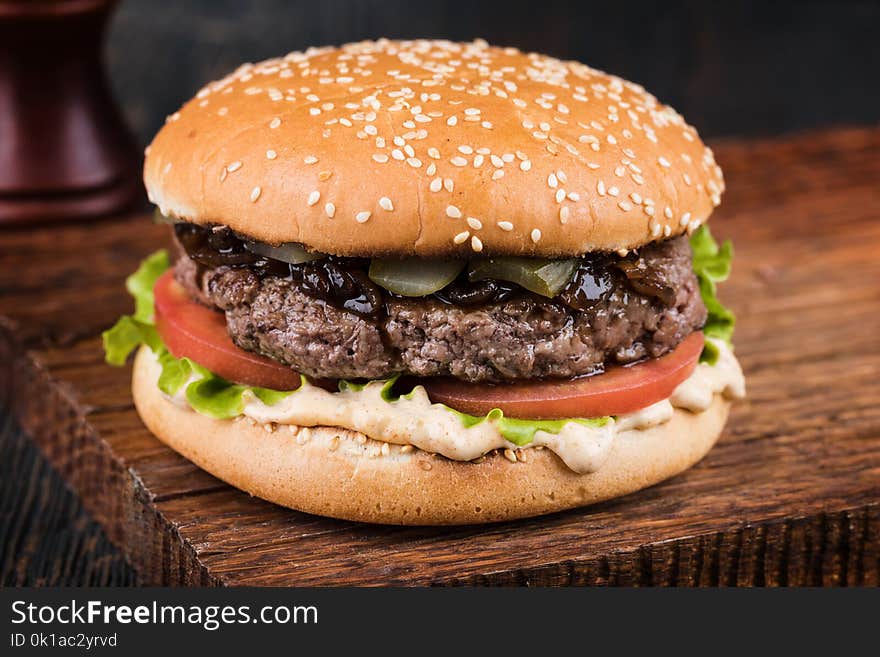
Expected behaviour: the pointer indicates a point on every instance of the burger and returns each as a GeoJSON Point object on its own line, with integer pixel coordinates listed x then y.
{"type": "Point", "coordinates": [425, 282]}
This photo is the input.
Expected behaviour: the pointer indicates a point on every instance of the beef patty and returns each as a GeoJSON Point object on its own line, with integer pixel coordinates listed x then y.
{"type": "Point", "coordinates": [649, 303]}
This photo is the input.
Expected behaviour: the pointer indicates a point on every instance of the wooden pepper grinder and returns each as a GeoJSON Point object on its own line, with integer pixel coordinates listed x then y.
{"type": "Point", "coordinates": [65, 152]}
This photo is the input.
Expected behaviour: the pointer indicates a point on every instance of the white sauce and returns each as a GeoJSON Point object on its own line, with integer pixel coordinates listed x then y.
{"type": "Point", "coordinates": [431, 427]}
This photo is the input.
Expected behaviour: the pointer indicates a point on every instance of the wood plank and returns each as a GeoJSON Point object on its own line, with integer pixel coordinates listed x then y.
{"type": "Point", "coordinates": [791, 494]}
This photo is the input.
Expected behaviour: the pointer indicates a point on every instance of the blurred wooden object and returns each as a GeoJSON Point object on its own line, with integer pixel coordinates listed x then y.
{"type": "Point", "coordinates": [65, 152]}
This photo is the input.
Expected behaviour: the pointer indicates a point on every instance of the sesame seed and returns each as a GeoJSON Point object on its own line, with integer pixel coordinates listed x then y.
{"type": "Point", "coordinates": [498, 174]}
{"type": "Point", "coordinates": [397, 154]}
{"type": "Point", "coordinates": [525, 165]}
{"type": "Point", "coordinates": [667, 231]}
{"type": "Point", "coordinates": [436, 185]}
{"type": "Point", "coordinates": [505, 226]}
{"type": "Point", "coordinates": [386, 204]}
{"type": "Point", "coordinates": [459, 161]}
{"type": "Point", "coordinates": [461, 238]}
{"type": "Point", "coordinates": [478, 161]}
{"type": "Point", "coordinates": [560, 195]}
{"type": "Point", "coordinates": [509, 455]}
{"type": "Point", "coordinates": [636, 198]}
{"type": "Point", "coordinates": [664, 162]}
{"type": "Point", "coordinates": [476, 244]}
{"type": "Point", "coordinates": [324, 175]}
{"type": "Point", "coordinates": [466, 150]}
{"type": "Point", "coordinates": [330, 210]}
{"type": "Point", "coordinates": [453, 212]}
{"type": "Point", "coordinates": [536, 235]}
{"type": "Point", "coordinates": [452, 120]}
{"type": "Point", "coordinates": [685, 219]}
{"type": "Point", "coordinates": [574, 196]}
{"type": "Point", "coordinates": [314, 197]}
{"type": "Point", "coordinates": [310, 159]}
{"type": "Point", "coordinates": [448, 185]}
{"type": "Point", "coordinates": [474, 223]}
{"type": "Point", "coordinates": [274, 123]}
{"type": "Point", "coordinates": [600, 187]}
{"type": "Point", "coordinates": [381, 158]}
{"type": "Point", "coordinates": [613, 191]}
{"type": "Point", "coordinates": [233, 166]}
{"type": "Point", "coordinates": [625, 205]}
{"type": "Point", "coordinates": [552, 181]}
{"type": "Point", "coordinates": [564, 213]}
{"type": "Point", "coordinates": [223, 173]}
{"type": "Point", "coordinates": [271, 155]}
{"type": "Point", "coordinates": [649, 210]}
{"type": "Point", "coordinates": [362, 217]}
{"type": "Point", "coordinates": [255, 193]}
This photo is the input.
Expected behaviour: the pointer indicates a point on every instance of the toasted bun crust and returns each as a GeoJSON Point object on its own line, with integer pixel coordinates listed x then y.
{"type": "Point", "coordinates": [333, 472]}
{"type": "Point", "coordinates": [433, 148]}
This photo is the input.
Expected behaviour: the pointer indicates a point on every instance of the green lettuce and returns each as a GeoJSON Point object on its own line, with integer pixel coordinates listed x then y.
{"type": "Point", "coordinates": [521, 432]}
{"type": "Point", "coordinates": [711, 264]}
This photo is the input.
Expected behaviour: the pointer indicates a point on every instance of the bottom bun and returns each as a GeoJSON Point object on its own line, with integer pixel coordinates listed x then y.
{"type": "Point", "coordinates": [340, 473]}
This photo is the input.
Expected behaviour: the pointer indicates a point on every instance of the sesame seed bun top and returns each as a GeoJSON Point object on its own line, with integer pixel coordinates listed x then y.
{"type": "Point", "coordinates": [433, 148]}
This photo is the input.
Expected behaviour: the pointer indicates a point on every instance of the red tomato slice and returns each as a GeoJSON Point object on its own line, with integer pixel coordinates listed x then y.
{"type": "Point", "coordinates": [616, 391]}
{"type": "Point", "coordinates": [190, 330]}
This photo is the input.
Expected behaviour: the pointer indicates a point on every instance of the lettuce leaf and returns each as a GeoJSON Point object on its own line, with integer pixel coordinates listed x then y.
{"type": "Point", "coordinates": [140, 284]}
{"type": "Point", "coordinates": [522, 432]}
{"type": "Point", "coordinates": [712, 264]}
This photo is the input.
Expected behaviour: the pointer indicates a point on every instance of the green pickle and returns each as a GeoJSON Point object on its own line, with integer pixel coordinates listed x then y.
{"type": "Point", "coordinates": [414, 277]}
{"type": "Point", "coordinates": [159, 218]}
{"type": "Point", "coordinates": [290, 252]}
{"type": "Point", "coordinates": [539, 275]}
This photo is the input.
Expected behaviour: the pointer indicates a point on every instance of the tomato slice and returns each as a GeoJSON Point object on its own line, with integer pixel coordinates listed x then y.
{"type": "Point", "coordinates": [616, 391]}
{"type": "Point", "coordinates": [190, 330]}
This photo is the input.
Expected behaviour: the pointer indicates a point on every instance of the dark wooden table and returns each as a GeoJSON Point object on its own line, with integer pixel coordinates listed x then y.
{"type": "Point", "coordinates": [791, 494]}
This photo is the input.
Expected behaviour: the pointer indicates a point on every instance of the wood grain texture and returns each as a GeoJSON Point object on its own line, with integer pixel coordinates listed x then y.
{"type": "Point", "coordinates": [790, 495]}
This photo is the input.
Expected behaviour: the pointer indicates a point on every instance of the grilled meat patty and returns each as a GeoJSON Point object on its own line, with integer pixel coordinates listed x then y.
{"type": "Point", "coordinates": [326, 319]}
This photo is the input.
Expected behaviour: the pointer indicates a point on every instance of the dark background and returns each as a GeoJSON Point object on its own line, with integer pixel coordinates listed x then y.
{"type": "Point", "coordinates": [732, 68]}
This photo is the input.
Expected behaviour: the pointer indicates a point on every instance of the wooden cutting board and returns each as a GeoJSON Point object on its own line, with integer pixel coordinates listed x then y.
{"type": "Point", "coordinates": [791, 494]}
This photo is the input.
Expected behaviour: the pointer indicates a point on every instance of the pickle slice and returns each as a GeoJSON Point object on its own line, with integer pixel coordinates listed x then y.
{"type": "Point", "coordinates": [539, 275]}
{"type": "Point", "coordinates": [159, 218]}
{"type": "Point", "coordinates": [414, 277]}
{"type": "Point", "coordinates": [290, 252]}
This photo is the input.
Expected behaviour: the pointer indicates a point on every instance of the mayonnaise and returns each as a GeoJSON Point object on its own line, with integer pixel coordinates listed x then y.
{"type": "Point", "coordinates": [414, 420]}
